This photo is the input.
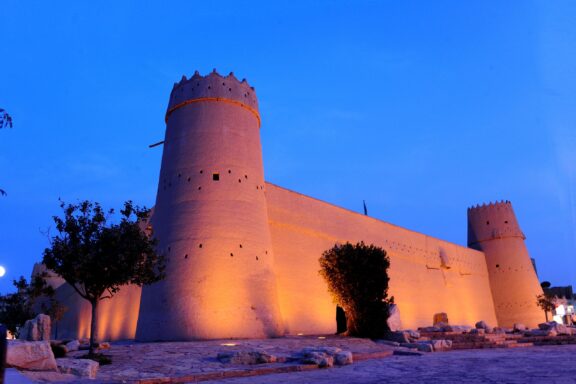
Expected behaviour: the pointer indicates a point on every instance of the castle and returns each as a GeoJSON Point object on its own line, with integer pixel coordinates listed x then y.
{"type": "Point", "coordinates": [243, 253]}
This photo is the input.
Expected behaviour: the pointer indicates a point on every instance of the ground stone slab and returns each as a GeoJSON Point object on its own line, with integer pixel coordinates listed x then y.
{"type": "Point", "coordinates": [31, 355]}
{"type": "Point", "coordinates": [246, 357]}
{"type": "Point", "coordinates": [84, 368]}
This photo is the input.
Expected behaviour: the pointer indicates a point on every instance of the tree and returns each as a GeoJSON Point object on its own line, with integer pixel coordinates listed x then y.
{"type": "Point", "coordinates": [97, 257]}
{"type": "Point", "coordinates": [357, 278]}
{"type": "Point", "coordinates": [5, 122]}
{"type": "Point", "coordinates": [16, 308]}
{"type": "Point", "coordinates": [547, 303]}
{"type": "Point", "coordinates": [5, 119]}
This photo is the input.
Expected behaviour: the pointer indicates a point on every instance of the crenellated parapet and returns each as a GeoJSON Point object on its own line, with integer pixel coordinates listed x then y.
{"type": "Point", "coordinates": [213, 87]}
{"type": "Point", "coordinates": [492, 221]}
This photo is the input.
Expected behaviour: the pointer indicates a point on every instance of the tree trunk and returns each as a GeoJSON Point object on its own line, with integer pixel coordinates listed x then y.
{"type": "Point", "coordinates": [93, 327]}
{"type": "Point", "coordinates": [546, 314]}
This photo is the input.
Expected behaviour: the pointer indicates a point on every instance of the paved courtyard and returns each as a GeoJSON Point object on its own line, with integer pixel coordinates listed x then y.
{"type": "Point", "coordinates": [550, 364]}
{"type": "Point", "coordinates": [195, 361]}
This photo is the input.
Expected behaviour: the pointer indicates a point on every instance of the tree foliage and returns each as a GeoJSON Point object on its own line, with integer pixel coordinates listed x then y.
{"type": "Point", "coordinates": [97, 257]}
{"type": "Point", "coordinates": [5, 119]}
{"type": "Point", "coordinates": [547, 303]}
{"type": "Point", "coordinates": [16, 308]}
{"type": "Point", "coordinates": [357, 278]}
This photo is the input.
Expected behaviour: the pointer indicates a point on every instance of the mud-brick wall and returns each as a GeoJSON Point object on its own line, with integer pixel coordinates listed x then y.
{"type": "Point", "coordinates": [428, 275]}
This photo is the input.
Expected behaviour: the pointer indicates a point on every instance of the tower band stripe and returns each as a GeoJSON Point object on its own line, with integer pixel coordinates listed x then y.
{"type": "Point", "coordinates": [223, 99]}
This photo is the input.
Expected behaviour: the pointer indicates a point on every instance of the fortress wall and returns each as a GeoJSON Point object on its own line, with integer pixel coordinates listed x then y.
{"type": "Point", "coordinates": [428, 275]}
{"type": "Point", "coordinates": [117, 317]}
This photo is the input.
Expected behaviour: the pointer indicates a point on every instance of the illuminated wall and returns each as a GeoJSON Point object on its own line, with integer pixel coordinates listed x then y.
{"type": "Point", "coordinates": [428, 275]}
{"type": "Point", "coordinates": [117, 317]}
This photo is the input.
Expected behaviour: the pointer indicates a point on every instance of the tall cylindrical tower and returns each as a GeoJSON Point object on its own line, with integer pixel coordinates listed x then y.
{"type": "Point", "coordinates": [494, 230]}
{"type": "Point", "coordinates": [211, 219]}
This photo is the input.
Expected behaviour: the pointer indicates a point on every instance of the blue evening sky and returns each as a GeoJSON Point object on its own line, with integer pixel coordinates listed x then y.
{"type": "Point", "coordinates": [421, 108]}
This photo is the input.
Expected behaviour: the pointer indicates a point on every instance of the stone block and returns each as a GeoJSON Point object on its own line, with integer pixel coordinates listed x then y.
{"type": "Point", "coordinates": [31, 355]}
{"type": "Point", "coordinates": [425, 347]}
{"type": "Point", "coordinates": [441, 317]}
{"type": "Point", "coordinates": [519, 327]}
{"type": "Point", "coordinates": [394, 322]}
{"type": "Point", "coordinates": [36, 329]}
{"type": "Point", "coordinates": [73, 345]}
{"type": "Point", "coordinates": [441, 345]}
{"type": "Point", "coordinates": [343, 358]}
{"type": "Point", "coordinates": [84, 368]}
{"type": "Point", "coordinates": [246, 357]}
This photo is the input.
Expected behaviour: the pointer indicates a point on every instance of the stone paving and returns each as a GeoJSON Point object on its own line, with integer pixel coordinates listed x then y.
{"type": "Point", "coordinates": [547, 364]}
{"type": "Point", "coordinates": [196, 361]}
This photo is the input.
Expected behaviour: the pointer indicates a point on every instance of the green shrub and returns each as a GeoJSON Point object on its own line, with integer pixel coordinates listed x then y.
{"type": "Point", "coordinates": [357, 278]}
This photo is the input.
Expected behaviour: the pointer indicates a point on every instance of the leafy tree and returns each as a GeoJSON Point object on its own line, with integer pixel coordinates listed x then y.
{"type": "Point", "coordinates": [547, 303]}
{"type": "Point", "coordinates": [5, 119]}
{"type": "Point", "coordinates": [357, 278]}
{"type": "Point", "coordinates": [97, 257]}
{"type": "Point", "coordinates": [16, 308]}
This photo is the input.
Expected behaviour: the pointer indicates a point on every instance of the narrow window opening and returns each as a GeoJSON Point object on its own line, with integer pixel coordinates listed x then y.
{"type": "Point", "coordinates": [200, 245]}
{"type": "Point", "coordinates": [199, 188]}
{"type": "Point", "coordinates": [239, 180]}
{"type": "Point", "coordinates": [179, 175]}
{"type": "Point", "coordinates": [246, 177]}
{"type": "Point", "coordinates": [231, 254]}
{"type": "Point", "coordinates": [169, 249]}
{"type": "Point", "coordinates": [240, 245]}
{"type": "Point", "coordinates": [256, 257]}
{"type": "Point", "coordinates": [189, 179]}
{"type": "Point", "coordinates": [497, 265]}
{"type": "Point", "coordinates": [186, 256]}
{"type": "Point", "coordinates": [215, 176]}
{"type": "Point", "coordinates": [201, 171]}
{"type": "Point", "coordinates": [487, 223]}
{"type": "Point", "coordinates": [229, 89]}
{"type": "Point", "coordinates": [229, 171]}
{"type": "Point", "coordinates": [505, 221]}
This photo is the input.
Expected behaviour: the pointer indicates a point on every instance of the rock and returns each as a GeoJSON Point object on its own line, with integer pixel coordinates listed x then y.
{"type": "Point", "coordinates": [409, 345]}
{"type": "Point", "coordinates": [425, 347]}
{"type": "Point", "coordinates": [541, 332]}
{"type": "Point", "coordinates": [560, 329]}
{"type": "Point", "coordinates": [498, 330]}
{"type": "Point", "coordinates": [398, 337]}
{"type": "Point", "coordinates": [444, 327]}
{"type": "Point", "coordinates": [441, 345]}
{"type": "Point", "coordinates": [460, 328]}
{"type": "Point", "coordinates": [394, 322]}
{"type": "Point", "coordinates": [430, 329]}
{"type": "Point", "coordinates": [323, 360]}
{"type": "Point", "coordinates": [388, 342]}
{"type": "Point", "coordinates": [343, 358]}
{"type": "Point", "coordinates": [73, 345]}
{"type": "Point", "coordinates": [477, 331]}
{"type": "Point", "coordinates": [31, 355]}
{"type": "Point", "coordinates": [327, 350]}
{"type": "Point", "coordinates": [519, 327]}
{"type": "Point", "coordinates": [246, 357]}
{"type": "Point", "coordinates": [413, 334]}
{"type": "Point", "coordinates": [482, 325]}
{"type": "Point", "coordinates": [440, 318]}
{"type": "Point", "coordinates": [36, 329]}
{"type": "Point", "coordinates": [80, 367]}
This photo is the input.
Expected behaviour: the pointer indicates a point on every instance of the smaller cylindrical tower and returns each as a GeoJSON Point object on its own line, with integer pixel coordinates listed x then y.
{"type": "Point", "coordinates": [494, 230]}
